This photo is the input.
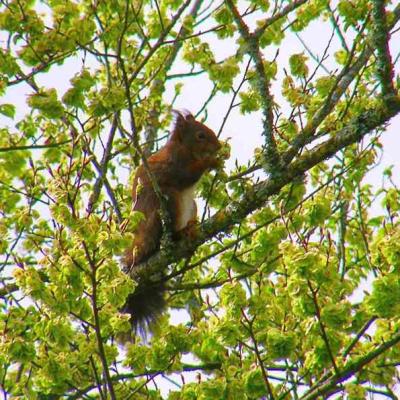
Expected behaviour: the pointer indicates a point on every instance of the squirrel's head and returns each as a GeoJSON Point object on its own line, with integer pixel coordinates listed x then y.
{"type": "Point", "coordinates": [194, 135]}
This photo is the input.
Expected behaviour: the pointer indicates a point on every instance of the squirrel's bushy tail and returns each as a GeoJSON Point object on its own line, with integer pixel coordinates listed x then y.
{"type": "Point", "coordinates": [145, 305]}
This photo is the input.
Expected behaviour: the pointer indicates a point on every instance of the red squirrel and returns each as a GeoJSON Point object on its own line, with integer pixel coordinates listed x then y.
{"type": "Point", "coordinates": [189, 152]}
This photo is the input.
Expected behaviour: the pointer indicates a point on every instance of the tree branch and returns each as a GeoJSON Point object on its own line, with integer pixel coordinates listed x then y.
{"type": "Point", "coordinates": [322, 326]}
{"type": "Point", "coordinates": [345, 78]}
{"type": "Point", "coordinates": [103, 171]}
{"type": "Point", "coordinates": [159, 83]}
{"type": "Point", "coordinates": [343, 81]}
{"type": "Point", "coordinates": [283, 13]}
{"type": "Point", "coordinates": [349, 370]}
{"type": "Point", "coordinates": [34, 146]}
{"type": "Point", "coordinates": [252, 48]}
{"type": "Point", "coordinates": [160, 41]}
{"type": "Point", "coordinates": [381, 40]}
{"type": "Point", "coordinates": [95, 307]}
{"type": "Point", "coordinates": [120, 377]}
{"type": "Point", "coordinates": [359, 127]}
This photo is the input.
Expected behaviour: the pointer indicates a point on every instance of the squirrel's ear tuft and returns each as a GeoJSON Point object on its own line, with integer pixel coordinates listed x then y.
{"type": "Point", "coordinates": [178, 122]}
{"type": "Point", "coordinates": [187, 114]}
{"type": "Point", "coordinates": [178, 118]}
{"type": "Point", "coordinates": [181, 118]}
{"type": "Point", "coordinates": [178, 125]}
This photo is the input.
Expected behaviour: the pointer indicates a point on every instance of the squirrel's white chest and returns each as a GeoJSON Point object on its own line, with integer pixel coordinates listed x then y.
{"type": "Point", "coordinates": [187, 207]}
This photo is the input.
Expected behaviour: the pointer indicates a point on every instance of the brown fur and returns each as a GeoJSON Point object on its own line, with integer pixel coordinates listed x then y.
{"type": "Point", "coordinates": [189, 152]}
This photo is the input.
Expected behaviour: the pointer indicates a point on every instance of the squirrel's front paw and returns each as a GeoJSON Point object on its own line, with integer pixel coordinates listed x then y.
{"type": "Point", "coordinates": [190, 232]}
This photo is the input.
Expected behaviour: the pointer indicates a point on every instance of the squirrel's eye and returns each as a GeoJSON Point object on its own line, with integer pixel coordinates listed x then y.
{"type": "Point", "coordinates": [201, 135]}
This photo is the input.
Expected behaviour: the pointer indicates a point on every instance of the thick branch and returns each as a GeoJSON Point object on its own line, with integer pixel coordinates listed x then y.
{"type": "Point", "coordinates": [358, 336]}
{"type": "Point", "coordinates": [252, 200]}
{"type": "Point", "coordinates": [381, 40]}
{"type": "Point", "coordinates": [349, 370]}
{"type": "Point", "coordinates": [344, 79]}
{"type": "Point", "coordinates": [252, 48]}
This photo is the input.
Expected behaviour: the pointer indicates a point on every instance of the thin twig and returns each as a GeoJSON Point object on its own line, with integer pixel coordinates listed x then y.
{"type": "Point", "coordinates": [97, 324]}
{"type": "Point", "coordinates": [277, 16]}
{"type": "Point", "coordinates": [103, 166]}
{"type": "Point", "coordinates": [34, 146]}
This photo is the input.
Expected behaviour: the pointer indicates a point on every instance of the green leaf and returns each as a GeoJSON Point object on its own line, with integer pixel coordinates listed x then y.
{"type": "Point", "coordinates": [21, 351]}
{"type": "Point", "coordinates": [47, 103]}
{"type": "Point", "coordinates": [255, 384]}
{"type": "Point", "coordinates": [280, 345]}
{"type": "Point", "coordinates": [249, 102]}
{"type": "Point", "coordinates": [298, 66]}
{"type": "Point", "coordinates": [8, 110]}
{"type": "Point", "coordinates": [210, 350]}
{"type": "Point", "coordinates": [212, 389]}
{"type": "Point", "coordinates": [384, 300]}
{"type": "Point", "coordinates": [355, 392]}
{"type": "Point", "coordinates": [81, 83]}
